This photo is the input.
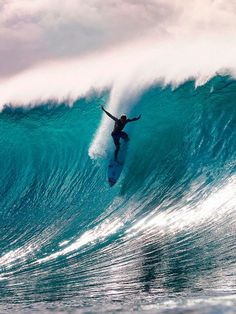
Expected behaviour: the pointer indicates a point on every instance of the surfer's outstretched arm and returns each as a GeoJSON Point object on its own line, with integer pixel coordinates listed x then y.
{"type": "Point", "coordinates": [134, 119]}
{"type": "Point", "coordinates": [109, 115]}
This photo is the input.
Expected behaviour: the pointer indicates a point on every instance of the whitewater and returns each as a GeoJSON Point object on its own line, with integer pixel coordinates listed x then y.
{"type": "Point", "coordinates": [162, 240]}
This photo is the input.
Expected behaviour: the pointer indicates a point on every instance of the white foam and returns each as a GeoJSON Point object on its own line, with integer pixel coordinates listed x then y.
{"type": "Point", "coordinates": [127, 70]}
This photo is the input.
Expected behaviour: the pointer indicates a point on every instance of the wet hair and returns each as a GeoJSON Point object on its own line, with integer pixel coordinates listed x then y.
{"type": "Point", "coordinates": [123, 117]}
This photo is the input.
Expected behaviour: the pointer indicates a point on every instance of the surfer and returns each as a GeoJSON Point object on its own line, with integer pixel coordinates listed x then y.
{"type": "Point", "coordinates": [117, 132]}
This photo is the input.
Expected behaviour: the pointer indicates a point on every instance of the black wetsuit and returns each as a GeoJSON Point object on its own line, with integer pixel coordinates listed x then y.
{"type": "Point", "coordinates": [117, 132]}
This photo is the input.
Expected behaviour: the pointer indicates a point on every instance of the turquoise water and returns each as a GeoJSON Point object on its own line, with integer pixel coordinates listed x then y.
{"type": "Point", "coordinates": [163, 238]}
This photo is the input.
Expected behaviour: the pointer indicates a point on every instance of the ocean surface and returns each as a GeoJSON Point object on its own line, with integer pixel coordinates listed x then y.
{"type": "Point", "coordinates": [162, 240]}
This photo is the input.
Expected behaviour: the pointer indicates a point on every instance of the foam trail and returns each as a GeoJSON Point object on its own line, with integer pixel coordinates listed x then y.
{"type": "Point", "coordinates": [121, 101]}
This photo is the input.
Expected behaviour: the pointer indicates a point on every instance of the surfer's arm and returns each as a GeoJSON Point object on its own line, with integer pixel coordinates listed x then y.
{"type": "Point", "coordinates": [109, 115]}
{"type": "Point", "coordinates": [134, 119]}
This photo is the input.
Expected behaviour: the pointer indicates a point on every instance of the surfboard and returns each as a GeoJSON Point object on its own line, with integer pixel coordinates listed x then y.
{"type": "Point", "coordinates": [115, 168]}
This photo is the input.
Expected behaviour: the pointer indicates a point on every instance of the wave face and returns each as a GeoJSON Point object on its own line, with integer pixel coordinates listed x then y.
{"type": "Point", "coordinates": [162, 239]}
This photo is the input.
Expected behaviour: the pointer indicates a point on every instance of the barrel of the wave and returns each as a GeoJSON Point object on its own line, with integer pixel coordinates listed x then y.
{"type": "Point", "coordinates": [115, 167]}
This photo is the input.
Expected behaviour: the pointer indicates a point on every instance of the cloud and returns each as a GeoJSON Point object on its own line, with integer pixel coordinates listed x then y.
{"type": "Point", "coordinates": [39, 30]}
{"type": "Point", "coordinates": [49, 36]}
{"type": "Point", "coordinates": [32, 32]}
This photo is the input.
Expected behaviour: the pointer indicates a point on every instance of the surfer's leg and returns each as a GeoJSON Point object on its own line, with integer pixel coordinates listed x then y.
{"type": "Point", "coordinates": [116, 139]}
{"type": "Point", "coordinates": [124, 135]}
{"type": "Point", "coordinates": [117, 151]}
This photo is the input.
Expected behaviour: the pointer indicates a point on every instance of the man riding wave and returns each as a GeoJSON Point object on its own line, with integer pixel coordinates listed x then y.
{"type": "Point", "coordinates": [118, 132]}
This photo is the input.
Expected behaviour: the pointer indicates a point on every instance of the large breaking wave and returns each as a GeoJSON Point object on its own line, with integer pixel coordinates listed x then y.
{"type": "Point", "coordinates": [163, 237]}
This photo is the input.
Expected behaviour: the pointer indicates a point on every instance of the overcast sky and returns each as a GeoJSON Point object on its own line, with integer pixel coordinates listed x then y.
{"type": "Point", "coordinates": [34, 31]}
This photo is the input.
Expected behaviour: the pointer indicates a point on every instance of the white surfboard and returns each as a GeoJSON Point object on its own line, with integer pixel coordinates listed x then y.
{"type": "Point", "coordinates": [115, 168]}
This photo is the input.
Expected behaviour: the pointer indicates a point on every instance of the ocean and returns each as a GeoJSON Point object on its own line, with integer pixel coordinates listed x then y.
{"type": "Point", "coordinates": [162, 240]}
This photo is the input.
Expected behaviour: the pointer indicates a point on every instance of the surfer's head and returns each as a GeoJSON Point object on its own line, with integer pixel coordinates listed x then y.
{"type": "Point", "coordinates": [123, 118]}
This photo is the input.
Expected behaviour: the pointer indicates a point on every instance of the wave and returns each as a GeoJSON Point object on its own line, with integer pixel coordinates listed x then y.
{"type": "Point", "coordinates": [165, 231]}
